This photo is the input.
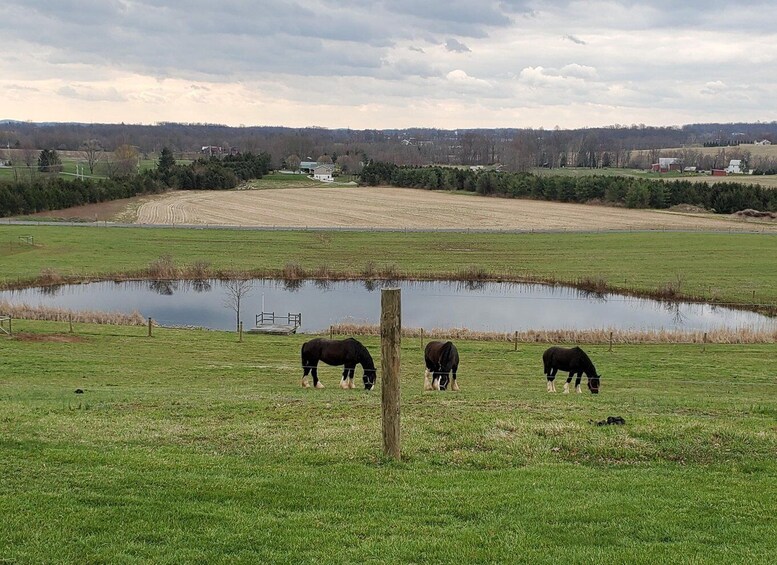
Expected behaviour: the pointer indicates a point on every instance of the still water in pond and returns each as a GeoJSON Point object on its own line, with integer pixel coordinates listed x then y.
{"type": "Point", "coordinates": [497, 307]}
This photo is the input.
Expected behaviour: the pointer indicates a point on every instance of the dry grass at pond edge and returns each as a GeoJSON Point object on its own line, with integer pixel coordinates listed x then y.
{"type": "Point", "coordinates": [591, 336]}
{"type": "Point", "coordinates": [46, 313]}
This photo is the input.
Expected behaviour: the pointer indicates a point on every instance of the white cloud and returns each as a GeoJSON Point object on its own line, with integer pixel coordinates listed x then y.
{"type": "Point", "coordinates": [379, 64]}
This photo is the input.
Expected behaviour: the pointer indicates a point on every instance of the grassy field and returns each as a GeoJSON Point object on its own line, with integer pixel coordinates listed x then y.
{"type": "Point", "coordinates": [287, 180]}
{"type": "Point", "coordinates": [189, 446]}
{"type": "Point", "coordinates": [719, 266]}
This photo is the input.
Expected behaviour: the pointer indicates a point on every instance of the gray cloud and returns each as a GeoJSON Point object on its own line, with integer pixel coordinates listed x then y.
{"type": "Point", "coordinates": [639, 57]}
{"type": "Point", "coordinates": [456, 46]}
{"type": "Point", "coordinates": [574, 39]}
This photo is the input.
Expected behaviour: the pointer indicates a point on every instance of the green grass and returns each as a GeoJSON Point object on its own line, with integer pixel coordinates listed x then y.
{"type": "Point", "coordinates": [192, 447]}
{"type": "Point", "coordinates": [719, 266]}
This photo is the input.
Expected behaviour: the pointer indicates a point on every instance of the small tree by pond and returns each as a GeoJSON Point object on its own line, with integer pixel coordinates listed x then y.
{"type": "Point", "coordinates": [236, 291]}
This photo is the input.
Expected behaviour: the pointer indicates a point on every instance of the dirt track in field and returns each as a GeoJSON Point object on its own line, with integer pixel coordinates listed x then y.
{"type": "Point", "coordinates": [387, 207]}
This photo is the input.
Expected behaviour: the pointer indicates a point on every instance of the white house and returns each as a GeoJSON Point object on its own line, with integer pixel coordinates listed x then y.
{"type": "Point", "coordinates": [324, 172]}
{"type": "Point", "coordinates": [734, 167]}
{"type": "Point", "coordinates": [763, 142]}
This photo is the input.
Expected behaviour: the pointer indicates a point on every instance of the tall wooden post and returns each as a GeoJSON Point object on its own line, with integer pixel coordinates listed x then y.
{"type": "Point", "coordinates": [515, 340]}
{"type": "Point", "coordinates": [422, 339]}
{"type": "Point", "coordinates": [149, 327]}
{"type": "Point", "coordinates": [390, 341]}
{"type": "Point", "coordinates": [240, 330]}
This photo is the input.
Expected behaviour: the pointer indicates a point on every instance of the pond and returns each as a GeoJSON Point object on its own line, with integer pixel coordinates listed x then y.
{"type": "Point", "coordinates": [495, 307]}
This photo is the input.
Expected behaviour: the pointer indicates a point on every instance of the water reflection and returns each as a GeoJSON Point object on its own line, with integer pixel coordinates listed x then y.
{"type": "Point", "coordinates": [477, 305]}
{"type": "Point", "coordinates": [201, 286]}
{"type": "Point", "coordinates": [165, 288]}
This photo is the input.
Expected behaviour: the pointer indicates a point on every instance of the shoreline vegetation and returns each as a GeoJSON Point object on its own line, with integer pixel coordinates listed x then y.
{"type": "Point", "coordinates": [740, 271]}
{"type": "Point", "coordinates": [599, 336]}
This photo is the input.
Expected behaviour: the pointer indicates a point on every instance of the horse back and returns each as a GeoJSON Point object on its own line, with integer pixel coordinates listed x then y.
{"type": "Point", "coordinates": [566, 359]}
{"type": "Point", "coordinates": [441, 354]}
{"type": "Point", "coordinates": [331, 351]}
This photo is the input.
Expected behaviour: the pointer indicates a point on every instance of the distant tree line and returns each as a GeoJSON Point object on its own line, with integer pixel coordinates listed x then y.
{"type": "Point", "coordinates": [723, 197]}
{"type": "Point", "coordinates": [50, 192]}
{"type": "Point", "coordinates": [54, 193]}
{"type": "Point", "coordinates": [212, 173]}
{"type": "Point", "coordinates": [618, 145]}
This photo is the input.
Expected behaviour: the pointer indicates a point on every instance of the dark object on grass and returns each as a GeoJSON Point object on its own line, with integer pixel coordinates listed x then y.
{"type": "Point", "coordinates": [616, 420]}
{"type": "Point", "coordinates": [79, 391]}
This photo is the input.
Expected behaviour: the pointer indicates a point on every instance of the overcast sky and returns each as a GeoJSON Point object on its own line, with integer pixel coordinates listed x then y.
{"type": "Point", "coordinates": [386, 64]}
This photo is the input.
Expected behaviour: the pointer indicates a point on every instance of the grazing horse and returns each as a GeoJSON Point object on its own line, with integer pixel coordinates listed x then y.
{"type": "Point", "coordinates": [573, 360]}
{"type": "Point", "coordinates": [441, 358]}
{"type": "Point", "coordinates": [347, 352]}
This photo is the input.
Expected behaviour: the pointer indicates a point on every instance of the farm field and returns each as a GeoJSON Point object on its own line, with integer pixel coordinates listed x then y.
{"type": "Point", "coordinates": [404, 208]}
{"type": "Point", "coordinates": [189, 446]}
{"type": "Point", "coordinates": [740, 268]}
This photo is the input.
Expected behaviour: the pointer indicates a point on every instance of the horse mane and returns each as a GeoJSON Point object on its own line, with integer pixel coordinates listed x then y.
{"type": "Point", "coordinates": [363, 355]}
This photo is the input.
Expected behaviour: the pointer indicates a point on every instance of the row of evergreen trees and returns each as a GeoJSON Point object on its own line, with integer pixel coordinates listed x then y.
{"type": "Point", "coordinates": [212, 173]}
{"type": "Point", "coordinates": [722, 197]}
{"type": "Point", "coordinates": [45, 193]}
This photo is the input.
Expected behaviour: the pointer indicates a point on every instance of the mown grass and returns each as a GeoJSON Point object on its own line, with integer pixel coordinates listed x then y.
{"type": "Point", "coordinates": [720, 267]}
{"type": "Point", "coordinates": [190, 446]}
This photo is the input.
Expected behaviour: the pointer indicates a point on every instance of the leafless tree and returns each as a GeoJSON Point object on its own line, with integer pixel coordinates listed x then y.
{"type": "Point", "coordinates": [236, 290]}
{"type": "Point", "coordinates": [91, 150]}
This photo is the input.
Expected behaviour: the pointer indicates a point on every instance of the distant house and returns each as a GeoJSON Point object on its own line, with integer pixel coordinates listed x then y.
{"type": "Point", "coordinates": [324, 172]}
{"type": "Point", "coordinates": [211, 150]}
{"type": "Point", "coordinates": [666, 164]}
{"type": "Point", "coordinates": [689, 169]}
{"type": "Point", "coordinates": [762, 142]}
{"type": "Point", "coordinates": [734, 167]}
{"type": "Point", "coordinates": [307, 166]}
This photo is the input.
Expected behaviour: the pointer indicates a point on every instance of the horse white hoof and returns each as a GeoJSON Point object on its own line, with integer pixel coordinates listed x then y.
{"type": "Point", "coordinates": [305, 384]}
{"type": "Point", "coordinates": [455, 386]}
{"type": "Point", "coordinates": [566, 388]}
{"type": "Point", "coordinates": [344, 384]}
{"type": "Point", "coordinates": [319, 384]}
{"type": "Point", "coordinates": [435, 385]}
{"type": "Point", "coordinates": [577, 390]}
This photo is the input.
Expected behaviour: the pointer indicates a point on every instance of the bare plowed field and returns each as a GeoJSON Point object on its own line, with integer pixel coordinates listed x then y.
{"type": "Point", "coordinates": [383, 207]}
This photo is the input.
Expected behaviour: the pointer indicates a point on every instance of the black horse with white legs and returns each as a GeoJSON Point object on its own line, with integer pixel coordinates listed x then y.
{"type": "Point", "coordinates": [348, 352]}
{"type": "Point", "coordinates": [442, 360]}
{"type": "Point", "coordinates": [573, 360]}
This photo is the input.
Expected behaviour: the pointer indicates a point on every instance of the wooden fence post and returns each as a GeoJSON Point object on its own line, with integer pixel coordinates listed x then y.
{"type": "Point", "coordinates": [422, 339]}
{"type": "Point", "coordinates": [331, 332]}
{"type": "Point", "coordinates": [149, 327]}
{"type": "Point", "coordinates": [515, 340]}
{"type": "Point", "coordinates": [240, 333]}
{"type": "Point", "coordinates": [70, 321]}
{"type": "Point", "coordinates": [10, 326]}
{"type": "Point", "coordinates": [704, 343]}
{"type": "Point", "coordinates": [610, 342]}
{"type": "Point", "coordinates": [390, 342]}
